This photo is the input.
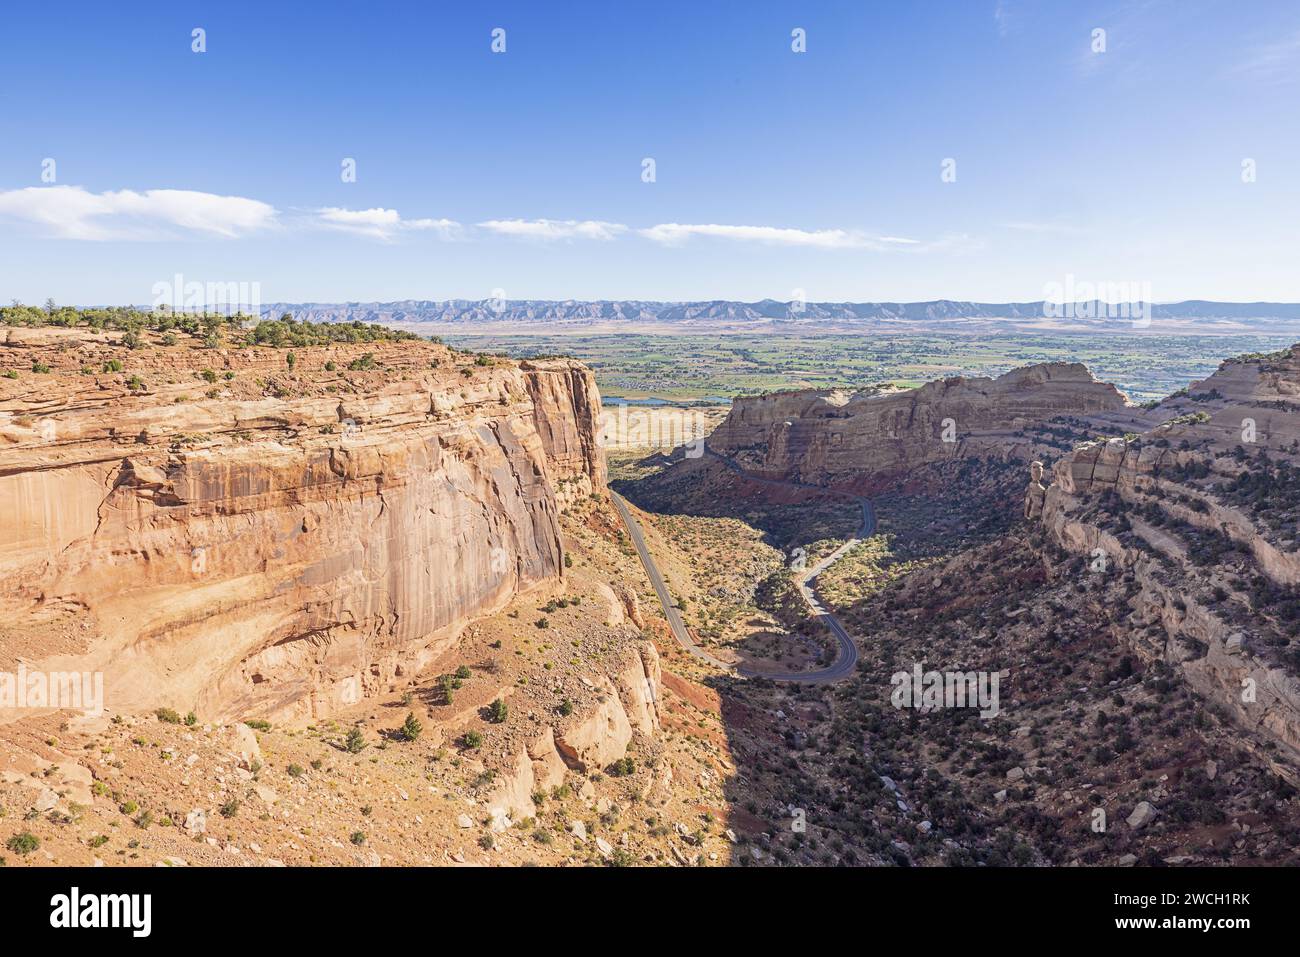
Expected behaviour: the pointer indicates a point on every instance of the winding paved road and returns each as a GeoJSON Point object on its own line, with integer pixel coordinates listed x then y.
{"type": "Point", "coordinates": [847, 653]}
{"type": "Point", "coordinates": [661, 588]}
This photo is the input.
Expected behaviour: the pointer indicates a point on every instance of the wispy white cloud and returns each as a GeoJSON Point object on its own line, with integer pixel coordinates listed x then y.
{"type": "Point", "coordinates": [1275, 62]}
{"type": "Point", "coordinates": [383, 224]}
{"type": "Point", "coordinates": [552, 229]}
{"type": "Point", "coordinates": [677, 233]}
{"type": "Point", "coordinates": [73, 212]}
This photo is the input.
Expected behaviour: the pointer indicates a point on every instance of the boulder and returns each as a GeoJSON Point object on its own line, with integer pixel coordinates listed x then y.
{"type": "Point", "coordinates": [1142, 815]}
{"type": "Point", "coordinates": [598, 738]}
{"type": "Point", "coordinates": [245, 747]}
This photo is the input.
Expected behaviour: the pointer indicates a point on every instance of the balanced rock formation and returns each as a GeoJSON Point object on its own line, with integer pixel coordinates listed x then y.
{"type": "Point", "coordinates": [252, 531]}
{"type": "Point", "coordinates": [865, 439]}
{"type": "Point", "coordinates": [1036, 492]}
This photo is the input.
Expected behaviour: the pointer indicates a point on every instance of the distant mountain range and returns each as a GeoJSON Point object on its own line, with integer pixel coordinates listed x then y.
{"type": "Point", "coordinates": [944, 313]}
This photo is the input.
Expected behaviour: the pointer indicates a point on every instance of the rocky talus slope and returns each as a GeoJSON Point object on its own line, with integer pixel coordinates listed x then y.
{"type": "Point", "coordinates": [246, 533]}
{"type": "Point", "coordinates": [1197, 521]}
{"type": "Point", "coordinates": [867, 440]}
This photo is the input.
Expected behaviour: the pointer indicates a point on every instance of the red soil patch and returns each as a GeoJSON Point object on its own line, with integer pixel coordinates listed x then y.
{"type": "Point", "coordinates": [703, 699]}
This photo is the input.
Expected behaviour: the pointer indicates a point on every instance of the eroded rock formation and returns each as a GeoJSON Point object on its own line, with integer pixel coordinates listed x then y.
{"type": "Point", "coordinates": [246, 534]}
{"type": "Point", "coordinates": [588, 741]}
{"type": "Point", "coordinates": [864, 439]}
{"type": "Point", "coordinates": [1200, 515]}
{"type": "Point", "coordinates": [1036, 492]}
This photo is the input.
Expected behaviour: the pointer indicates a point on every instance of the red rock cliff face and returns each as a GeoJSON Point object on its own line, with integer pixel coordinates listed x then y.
{"type": "Point", "coordinates": [289, 543]}
{"type": "Point", "coordinates": [864, 439]}
{"type": "Point", "coordinates": [565, 404]}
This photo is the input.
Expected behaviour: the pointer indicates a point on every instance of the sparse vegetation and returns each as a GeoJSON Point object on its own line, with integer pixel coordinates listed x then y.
{"type": "Point", "coordinates": [411, 728]}
{"type": "Point", "coordinates": [23, 843]}
{"type": "Point", "coordinates": [356, 741]}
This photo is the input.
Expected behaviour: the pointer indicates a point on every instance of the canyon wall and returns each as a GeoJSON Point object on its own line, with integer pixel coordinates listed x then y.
{"type": "Point", "coordinates": [251, 535]}
{"type": "Point", "coordinates": [1199, 514]}
{"type": "Point", "coordinates": [864, 440]}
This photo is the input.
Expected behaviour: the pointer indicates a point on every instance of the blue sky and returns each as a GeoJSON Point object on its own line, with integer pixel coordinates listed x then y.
{"type": "Point", "coordinates": [775, 171]}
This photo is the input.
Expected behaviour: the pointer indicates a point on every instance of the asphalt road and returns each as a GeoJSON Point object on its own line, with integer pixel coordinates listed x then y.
{"type": "Point", "coordinates": [847, 652]}
{"type": "Point", "coordinates": [661, 589]}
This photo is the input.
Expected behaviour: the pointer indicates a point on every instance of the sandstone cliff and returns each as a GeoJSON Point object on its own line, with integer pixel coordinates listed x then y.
{"type": "Point", "coordinates": [254, 535]}
{"type": "Point", "coordinates": [1200, 515]}
{"type": "Point", "coordinates": [864, 440]}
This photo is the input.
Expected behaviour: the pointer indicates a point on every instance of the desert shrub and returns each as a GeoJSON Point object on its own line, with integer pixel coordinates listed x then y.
{"type": "Point", "coordinates": [365, 363]}
{"type": "Point", "coordinates": [23, 843]}
{"type": "Point", "coordinates": [411, 728]}
{"type": "Point", "coordinates": [622, 768]}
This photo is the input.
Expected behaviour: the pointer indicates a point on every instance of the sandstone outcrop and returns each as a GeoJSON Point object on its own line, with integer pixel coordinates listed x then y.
{"type": "Point", "coordinates": [863, 440]}
{"type": "Point", "coordinates": [1036, 492]}
{"type": "Point", "coordinates": [246, 535]}
{"type": "Point", "coordinates": [1200, 513]}
{"type": "Point", "coordinates": [627, 703]}
{"type": "Point", "coordinates": [537, 767]}
{"type": "Point", "coordinates": [588, 741]}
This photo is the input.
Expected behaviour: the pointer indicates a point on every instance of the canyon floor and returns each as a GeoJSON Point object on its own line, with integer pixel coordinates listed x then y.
{"type": "Point", "coordinates": [957, 580]}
